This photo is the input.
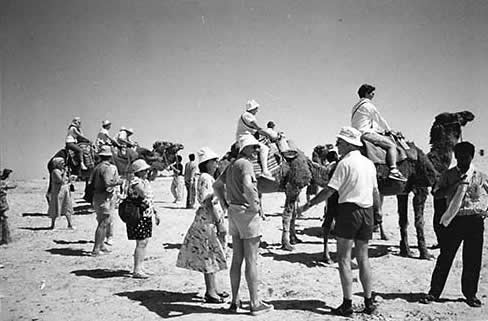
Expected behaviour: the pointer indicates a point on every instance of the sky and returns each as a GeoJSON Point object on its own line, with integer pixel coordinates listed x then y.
{"type": "Point", "coordinates": [182, 71]}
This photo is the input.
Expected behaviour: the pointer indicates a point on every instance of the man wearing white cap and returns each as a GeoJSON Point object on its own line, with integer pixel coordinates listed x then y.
{"type": "Point", "coordinates": [103, 136]}
{"type": "Point", "coordinates": [237, 191]}
{"type": "Point", "coordinates": [73, 136]}
{"type": "Point", "coordinates": [355, 181]}
{"type": "Point", "coordinates": [247, 125]}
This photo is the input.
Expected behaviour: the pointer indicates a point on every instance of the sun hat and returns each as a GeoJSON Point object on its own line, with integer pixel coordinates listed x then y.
{"type": "Point", "coordinates": [252, 104]}
{"type": "Point", "coordinates": [205, 154]}
{"type": "Point", "coordinates": [105, 151]}
{"type": "Point", "coordinates": [350, 135]}
{"type": "Point", "coordinates": [106, 122]}
{"type": "Point", "coordinates": [129, 130]}
{"type": "Point", "coordinates": [139, 165]}
{"type": "Point", "coordinates": [247, 140]}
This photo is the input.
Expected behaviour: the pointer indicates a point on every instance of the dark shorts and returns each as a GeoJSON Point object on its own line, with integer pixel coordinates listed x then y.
{"type": "Point", "coordinates": [354, 222]}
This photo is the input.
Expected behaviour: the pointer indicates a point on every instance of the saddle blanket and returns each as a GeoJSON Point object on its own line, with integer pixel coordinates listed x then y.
{"type": "Point", "coordinates": [274, 161]}
{"type": "Point", "coordinates": [378, 155]}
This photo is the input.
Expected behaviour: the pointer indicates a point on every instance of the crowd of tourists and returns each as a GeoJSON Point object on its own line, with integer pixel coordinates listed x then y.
{"type": "Point", "coordinates": [229, 204]}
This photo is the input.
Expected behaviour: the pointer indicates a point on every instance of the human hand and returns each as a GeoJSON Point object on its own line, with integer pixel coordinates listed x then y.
{"type": "Point", "coordinates": [157, 219]}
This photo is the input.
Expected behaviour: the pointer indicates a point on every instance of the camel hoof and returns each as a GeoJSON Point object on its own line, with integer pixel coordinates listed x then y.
{"type": "Point", "coordinates": [406, 253]}
{"type": "Point", "coordinates": [326, 259]}
{"type": "Point", "coordinates": [287, 247]}
{"type": "Point", "coordinates": [295, 240]}
{"type": "Point", "coordinates": [384, 237]}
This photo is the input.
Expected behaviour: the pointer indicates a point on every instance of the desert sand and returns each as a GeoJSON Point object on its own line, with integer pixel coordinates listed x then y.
{"type": "Point", "coordinates": [48, 275]}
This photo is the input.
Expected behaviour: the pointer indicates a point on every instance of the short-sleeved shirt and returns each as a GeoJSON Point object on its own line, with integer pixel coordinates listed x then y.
{"type": "Point", "coordinates": [204, 186]}
{"type": "Point", "coordinates": [105, 177]}
{"type": "Point", "coordinates": [103, 138]}
{"type": "Point", "coordinates": [366, 118]}
{"type": "Point", "coordinates": [354, 179]}
{"type": "Point", "coordinates": [243, 123]}
{"type": "Point", "coordinates": [190, 171]}
{"type": "Point", "coordinates": [234, 175]}
{"type": "Point", "coordinates": [72, 136]}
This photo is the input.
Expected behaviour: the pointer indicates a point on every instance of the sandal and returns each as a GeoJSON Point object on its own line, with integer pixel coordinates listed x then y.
{"type": "Point", "coordinates": [211, 299]}
{"type": "Point", "coordinates": [261, 309]}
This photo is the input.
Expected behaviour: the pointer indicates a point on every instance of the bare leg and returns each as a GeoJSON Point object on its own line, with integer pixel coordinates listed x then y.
{"type": "Point", "coordinates": [210, 284]}
{"type": "Point", "coordinates": [251, 250]}
{"type": "Point", "coordinates": [235, 268]}
{"type": "Point", "coordinates": [344, 247]}
{"type": "Point", "coordinates": [263, 157]}
{"type": "Point", "coordinates": [100, 235]}
{"type": "Point", "coordinates": [139, 255]}
{"type": "Point", "coordinates": [361, 249]}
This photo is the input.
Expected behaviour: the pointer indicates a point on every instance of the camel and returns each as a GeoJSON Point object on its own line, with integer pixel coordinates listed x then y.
{"type": "Point", "coordinates": [421, 174]}
{"type": "Point", "coordinates": [295, 171]}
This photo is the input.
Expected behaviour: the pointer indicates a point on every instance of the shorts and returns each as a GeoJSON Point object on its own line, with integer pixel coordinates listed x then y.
{"type": "Point", "coordinates": [354, 222]}
{"type": "Point", "coordinates": [382, 141]}
{"type": "Point", "coordinates": [104, 206]}
{"type": "Point", "coordinates": [243, 223]}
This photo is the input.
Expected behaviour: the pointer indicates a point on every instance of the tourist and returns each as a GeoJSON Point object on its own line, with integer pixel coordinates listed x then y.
{"type": "Point", "coordinates": [141, 230]}
{"type": "Point", "coordinates": [73, 137]}
{"type": "Point", "coordinates": [103, 136]}
{"type": "Point", "coordinates": [237, 191]}
{"type": "Point", "coordinates": [462, 222]}
{"type": "Point", "coordinates": [59, 195]}
{"type": "Point", "coordinates": [105, 179]}
{"type": "Point", "coordinates": [5, 185]}
{"type": "Point", "coordinates": [203, 247]}
{"type": "Point", "coordinates": [190, 181]}
{"type": "Point", "coordinates": [373, 127]}
{"type": "Point", "coordinates": [178, 183]}
{"type": "Point", "coordinates": [354, 179]}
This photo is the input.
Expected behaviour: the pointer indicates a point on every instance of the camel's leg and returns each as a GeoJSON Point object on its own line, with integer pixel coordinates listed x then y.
{"type": "Point", "coordinates": [378, 220]}
{"type": "Point", "coordinates": [402, 203]}
{"type": "Point", "coordinates": [293, 233]}
{"type": "Point", "coordinates": [287, 219]}
{"type": "Point", "coordinates": [420, 196]}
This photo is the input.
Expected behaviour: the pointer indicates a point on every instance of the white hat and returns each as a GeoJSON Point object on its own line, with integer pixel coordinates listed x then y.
{"type": "Point", "coordinates": [252, 104]}
{"type": "Point", "coordinates": [129, 130]}
{"type": "Point", "coordinates": [247, 140]}
{"type": "Point", "coordinates": [106, 122]}
{"type": "Point", "coordinates": [105, 150]}
{"type": "Point", "coordinates": [350, 135]}
{"type": "Point", "coordinates": [205, 154]}
{"type": "Point", "coordinates": [139, 165]}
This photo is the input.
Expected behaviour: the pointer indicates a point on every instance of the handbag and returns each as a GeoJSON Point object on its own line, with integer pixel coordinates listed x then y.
{"type": "Point", "coordinates": [131, 210]}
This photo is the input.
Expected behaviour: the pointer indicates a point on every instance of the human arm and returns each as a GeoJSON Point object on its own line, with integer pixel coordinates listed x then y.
{"type": "Point", "coordinates": [79, 135]}
{"type": "Point", "coordinates": [250, 192]}
{"type": "Point", "coordinates": [219, 191]}
{"type": "Point", "coordinates": [322, 196]}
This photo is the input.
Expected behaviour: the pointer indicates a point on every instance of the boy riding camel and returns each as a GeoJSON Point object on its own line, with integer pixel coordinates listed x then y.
{"type": "Point", "coordinates": [374, 128]}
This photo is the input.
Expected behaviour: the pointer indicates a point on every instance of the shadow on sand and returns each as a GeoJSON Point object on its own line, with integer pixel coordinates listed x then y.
{"type": "Point", "coordinates": [72, 242]}
{"type": "Point", "coordinates": [102, 273]}
{"type": "Point", "coordinates": [67, 251]}
{"type": "Point", "coordinates": [40, 228]}
{"type": "Point", "coordinates": [172, 246]}
{"type": "Point", "coordinates": [411, 297]}
{"type": "Point", "coordinates": [175, 304]}
{"type": "Point", "coordinates": [85, 209]}
{"type": "Point", "coordinates": [36, 214]}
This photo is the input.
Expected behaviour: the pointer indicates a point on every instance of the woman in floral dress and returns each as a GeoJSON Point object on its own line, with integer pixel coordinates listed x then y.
{"type": "Point", "coordinates": [59, 195]}
{"type": "Point", "coordinates": [141, 231]}
{"type": "Point", "coordinates": [202, 249]}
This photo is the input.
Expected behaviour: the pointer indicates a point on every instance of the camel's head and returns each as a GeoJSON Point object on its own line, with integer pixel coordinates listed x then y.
{"type": "Point", "coordinates": [446, 128]}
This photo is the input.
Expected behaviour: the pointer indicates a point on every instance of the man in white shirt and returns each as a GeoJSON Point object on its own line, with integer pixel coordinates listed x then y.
{"type": "Point", "coordinates": [103, 136]}
{"type": "Point", "coordinates": [373, 127]}
{"type": "Point", "coordinates": [247, 125]}
{"type": "Point", "coordinates": [123, 137]}
{"type": "Point", "coordinates": [355, 181]}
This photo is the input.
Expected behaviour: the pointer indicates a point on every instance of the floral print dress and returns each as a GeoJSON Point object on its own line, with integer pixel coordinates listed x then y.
{"type": "Point", "coordinates": [201, 250]}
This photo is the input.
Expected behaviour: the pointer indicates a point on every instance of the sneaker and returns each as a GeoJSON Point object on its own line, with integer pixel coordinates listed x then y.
{"type": "Point", "coordinates": [342, 310]}
{"type": "Point", "coordinates": [369, 309]}
{"type": "Point", "coordinates": [261, 309]}
{"type": "Point", "coordinates": [473, 302]}
{"type": "Point", "coordinates": [83, 167]}
{"type": "Point", "coordinates": [395, 174]}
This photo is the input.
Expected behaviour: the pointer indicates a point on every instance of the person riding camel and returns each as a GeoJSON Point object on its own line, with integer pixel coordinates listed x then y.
{"type": "Point", "coordinates": [123, 137]}
{"type": "Point", "coordinates": [276, 137]}
{"type": "Point", "coordinates": [73, 137]}
{"type": "Point", "coordinates": [103, 136]}
{"type": "Point", "coordinates": [374, 128]}
{"type": "Point", "coordinates": [247, 125]}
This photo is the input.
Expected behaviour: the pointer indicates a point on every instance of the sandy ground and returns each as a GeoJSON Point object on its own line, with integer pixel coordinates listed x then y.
{"type": "Point", "coordinates": [47, 275]}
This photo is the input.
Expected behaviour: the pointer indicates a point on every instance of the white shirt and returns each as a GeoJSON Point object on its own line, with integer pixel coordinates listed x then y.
{"type": "Point", "coordinates": [242, 128]}
{"type": "Point", "coordinates": [366, 118]}
{"type": "Point", "coordinates": [103, 138]}
{"type": "Point", "coordinates": [354, 179]}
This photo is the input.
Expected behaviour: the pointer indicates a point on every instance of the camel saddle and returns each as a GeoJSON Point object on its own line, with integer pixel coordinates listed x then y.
{"type": "Point", "coordinates": [378, 155]}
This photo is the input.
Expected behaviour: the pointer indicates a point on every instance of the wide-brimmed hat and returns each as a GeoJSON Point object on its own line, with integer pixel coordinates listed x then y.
{"type": "Point", "coordinates": [106, 122]}
{"type": "Point", "coordinates": [129, 130]}
{"type": "Point", "coordinates": [350, 135]}
{"type": "Point", "coordinates": [252, 104]}
{"type": "Point", "coordinates": [205, 154]}
{"type": "Point", "coordinates": [105, 151]}
{"type": "Point", "coordinates": [247, 140]}
{"type": "Point", "coordinates": [139, 165]}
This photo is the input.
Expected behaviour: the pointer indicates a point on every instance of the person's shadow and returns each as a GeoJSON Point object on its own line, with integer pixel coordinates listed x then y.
{"type": "Point", "coordinates": [413, 297]}
{"type": "Point", "coordinates": [169, 304]}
